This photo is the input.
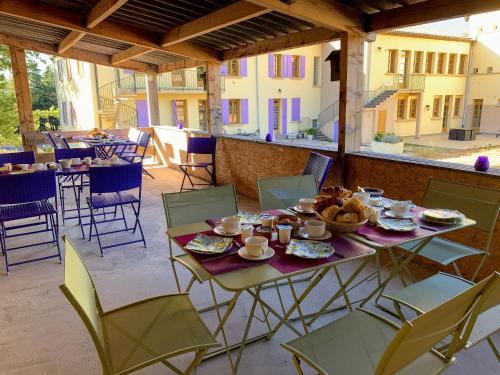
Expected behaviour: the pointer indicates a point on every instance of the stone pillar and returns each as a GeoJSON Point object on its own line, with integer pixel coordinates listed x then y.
{"type": "Point", "coordinates": [213, 88]}
{"type": "Point", "coordinates": [152, 96]}
{"type": "Point", "coordinates": [420, 109]}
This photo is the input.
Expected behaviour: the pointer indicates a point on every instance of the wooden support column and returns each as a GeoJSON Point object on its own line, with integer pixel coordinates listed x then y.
{"type": "Point", "coordinates": [152, 95]}
{"type": "Point", "coordinates": [213, 88]}
{"type": "Point", "coordinates": [350, 101]}
{"type": "Point", "coordinates": [23, 94]}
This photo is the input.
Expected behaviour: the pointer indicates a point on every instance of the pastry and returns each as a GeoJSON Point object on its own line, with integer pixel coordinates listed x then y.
{"type": "Point", "coordinates": [330, 212]}
{"type": "Point", "coordinates": [353, 205]}
{"type": "Point", "coordinates": [347, 218]}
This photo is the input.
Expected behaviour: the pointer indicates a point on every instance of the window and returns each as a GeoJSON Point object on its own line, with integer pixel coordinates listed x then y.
{"type": "Point", "coordinates": [295, 66]}
{"type": "Point", "coordinates": [461, 64]}
{"type": "Point", "coordinates": [200, 76]}
{"type": "Point", "coordinates": [60, 70]}
{"type": "Point", "coordinates": [79, 67]}
{"type": "Point", "coordinates": [317, 67]}
{"type": "Point", "coordinates": [429, 63]}
{"type": "Point", "coordinates": [178, 78]}
{"type": "Point", "coordinates": [477, 112]}
{"type": "Point", "coordinates": [412, 113]}
{"type": "Point", "coordinates": [233, 68]}
{"type": "Point", "coordinates": [234, 111]}
{"type": "Point", "coordinates": [64, 113]}
{"type": "Point", "coordinates": [68, 70]}
{"type": "Point", "coordinates": [457, 105]}
{"type": "Point", "coordinates": [441, 63]}
{"type": "Point", "coordinates": [436, 106]}
{"type": "Point", "coordinates": [202, 113]}
{"type": "Point", "coordinates": [451, 63]}
{"type": "Point", "coordinates": [417, 62]}
{"type": "Point", "coordinates": [489, 69]}
{"type": "Point", "coordinates": [72, 113]}
{"type": "Point", "coordinates": [278, 66]}
{"type": "Point", "coordinates": [181, 112]}
{"type": "Point", "coordinates": [401, 109]}
{"type": "Point", "coordinates": [393, 61]}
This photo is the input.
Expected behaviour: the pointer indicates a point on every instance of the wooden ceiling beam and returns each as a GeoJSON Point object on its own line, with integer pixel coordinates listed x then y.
{"type": "Point", "coordinates": [428, 11]}
{"type": "Point", "coordinates": [129, 53]}
{"type": "Point", "coordinates": [74, 53]}
{"type": "Point", "coordinates": [227, 16]}
{"type": "Point", "coordinates": [330, 14]}
{"type": "Point", "coordinates": [184, 64]}
{"type": "Point", "coordinates": [52, 15]}
{"type": "Point", "coordinates": [71, 39]}
{"type": "Point", "coordinates": [102, 10]}
{"type": "Point", "coordinates": [295, 40]}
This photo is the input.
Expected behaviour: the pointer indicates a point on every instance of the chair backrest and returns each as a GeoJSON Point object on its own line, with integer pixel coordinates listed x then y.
{"type": "Point", "coordinates": [24, 157]}
{"type": "Point", "coordinates": [64, 142]}
{"type": "Point", "coordinates": [115, 178]}
{"type": "Point", "coordinates": [68, 153]}
{"type": "Point", "coordinates": [201, 145]}
{"type": "Point", "coordinates": [420, 335]}
{"type": "Point", "coordinates": [196, 206]}
{"type": "Point", "coordinates": [283, 192]}
{"type": "Point", "coordinates": [52, 140]}
{"type": "Point", "coordinates": [143, 140]}
{"type": "Point", "coordinates": [81, 293]}
{"type": "Point", "coordinates": [318, 165]}
{"type": "Point", "coordinates": [133, 135]}
{"type": "Point", "coordinates": [27, 187]}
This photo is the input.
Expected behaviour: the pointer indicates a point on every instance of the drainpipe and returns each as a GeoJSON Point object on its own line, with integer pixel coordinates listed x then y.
{"type": "Point", "coordinates": [257, 91]}
{"type": "Point", "coordinates": [467, 84]}
{"type": "Point", "coordinates": [96, 78]}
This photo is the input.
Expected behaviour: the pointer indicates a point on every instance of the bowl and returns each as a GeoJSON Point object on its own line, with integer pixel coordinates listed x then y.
{"type": "Point", "coordinates": [374, 192]}
{"type": "Point", "coordinates": [292, 220]}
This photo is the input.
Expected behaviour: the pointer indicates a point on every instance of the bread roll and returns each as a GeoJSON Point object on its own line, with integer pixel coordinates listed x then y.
{"type": "Point", "coordinates": [330, 212]}
{"type": "Point", "coordinates": [347, 218]}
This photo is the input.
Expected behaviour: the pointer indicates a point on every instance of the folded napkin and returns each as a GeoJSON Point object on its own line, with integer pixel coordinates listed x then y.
{"type": "Point", "coordinates": [209, 244]}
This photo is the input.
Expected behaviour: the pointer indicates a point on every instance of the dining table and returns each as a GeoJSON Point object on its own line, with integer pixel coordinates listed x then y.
{"type": "Point", "coordinates": [107, 147]}
{"type": "Point", "coordinates": [240, 276]}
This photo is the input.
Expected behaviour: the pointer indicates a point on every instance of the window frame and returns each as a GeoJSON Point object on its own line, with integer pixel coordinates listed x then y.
{"type": "Point", "coordinates": [457, 105]}
{"type": "Point", "coordinates": [295, 66]}
{"type": "Point", "coordinates": [452, 63]}
{"type": "Point", "coordinates": [176, 83]}
{"type": "Point", "coordinates": [432, 61]}
{"type": "Point", "coordinates": [417, 56]}
{"type": "Point", "coordinates": [184, 108]}
{"type": "Point", "coordinates": [402, 116]}
{"type": "Point", "coordinates": [412, 105]}
{"type": "Point", "coordinates": [278, 65]}
{"type": "Point", "coordinates": [441, 64]}
{"type": "Point", "coordinates": [202, 103]}
{"type": "Point", "coordinates": [436, 114]}
{"type": "Point", "coordinates": [316, 71]}
{"type": "Point", "coordinates": [234, 111]}
{"type": "Point", "coordinates": [462, 62]}
{"type": "Point", "coordinates": [392, 63]}
{"type": "Point", "coordinates": [233, 68]}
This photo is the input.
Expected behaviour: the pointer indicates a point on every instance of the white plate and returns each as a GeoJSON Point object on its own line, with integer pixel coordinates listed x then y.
{"type": "Point", "coordinates": [300, 210]}
{"type": "Point", "coordinates": [409, 215]}
{"type": "Point", "coordinates": [397, 225]}
{"type": "Point", "coordinates": [325, 236]}
{"type": "Point", "coordinates": [242, 252]}
{"type": "Point", "coordinates": [425, 219]}
{"type": "Point", "coordinates": [220, 231]}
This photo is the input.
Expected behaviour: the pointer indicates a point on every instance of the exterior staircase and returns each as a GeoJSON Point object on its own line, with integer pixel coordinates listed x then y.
{"type": "Point", "coordinates": [111, 106]}
{"type": "Point", "coordinates": [398, 83]}
{"type": "Point", "coordinates": [380, 98]}
{"type": "Point", "coordinates": [327, 123]}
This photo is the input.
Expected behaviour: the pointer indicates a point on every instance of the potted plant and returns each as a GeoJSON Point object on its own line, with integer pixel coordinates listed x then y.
{"type": "Point", "coordinates": [311, 132]}
{"type": "Point", "coordinates": [389, 143]}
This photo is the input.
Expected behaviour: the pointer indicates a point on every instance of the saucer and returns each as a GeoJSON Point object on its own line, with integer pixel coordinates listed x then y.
{"type": "Point", "coordinates": [325, 236]}
{"type": "Point", "coordinates": [301, 211]}
{"type": "Point", "coordinates": [242, 252]}
{"type": "Point", "coordinates": [220, 231]}
{"type": "Point", "coordinates": [409, 215]}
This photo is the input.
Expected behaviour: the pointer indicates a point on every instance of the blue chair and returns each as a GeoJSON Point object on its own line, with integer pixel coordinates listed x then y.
{"type": "Point", "coordinates": [318, 165]}
{"type": "Point", "coordinates": [137, 155]}
{"type": "Point", "coordinates": [57, 141]}
{"type": "Point", "coordinates": [110, 187]}
{"type": "Point", "coordinates": [24, 157]}
{"type": "Point", "coordinates": [24, 196]}
{"type": "Point", "coordinates": [199, 146]}
{"type": "Point", "coordinates": [133, 136]}
{"type": "Point", "coordinates": [75, 183]}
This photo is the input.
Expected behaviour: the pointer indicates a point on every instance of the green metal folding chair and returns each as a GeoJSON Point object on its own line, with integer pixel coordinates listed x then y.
{"type": "Point", "coordinates": [183, 209]}
{"type": "Point", "coordinates": [478, 203]}
{"type": "Point", "coordinates": [284, 192]}
{"type": "Point", "coordinates": [365, 343]}
{"type": "Point", "coordinates": [437, 289]}
{"type": "Point", "coordinates": [140, 334]}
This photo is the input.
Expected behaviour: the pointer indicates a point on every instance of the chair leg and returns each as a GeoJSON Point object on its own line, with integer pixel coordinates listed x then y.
{"type": "Point", "coordinates": [183, 178]}
{"type": "Point", "coordinates": [55, 236]}
{"type": "Point", "coordinates": [196, 361]}
{"type": "Point", "coordinates": [296, 362]}
{"type": "Point", "coordinates": [123, 217]}
{"type": "Point", "coordinates": [138, 223]}
{"type": "Point", "coordinates": [92, 221]}
{"type": "Point", "coordinates": [490, 342]}
{"type": "Point", "coordinates": [3, 234]}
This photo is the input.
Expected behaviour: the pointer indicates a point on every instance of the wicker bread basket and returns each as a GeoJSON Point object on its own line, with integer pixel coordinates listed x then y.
{"type": "Point", "coordinates": [340, 227]}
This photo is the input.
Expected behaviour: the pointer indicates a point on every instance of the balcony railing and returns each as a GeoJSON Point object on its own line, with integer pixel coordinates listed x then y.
{"type": "Point", "coordinates": [403, 82]}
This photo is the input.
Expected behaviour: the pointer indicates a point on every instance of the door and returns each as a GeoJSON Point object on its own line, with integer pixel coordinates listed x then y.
{"type": "Point", "coordinates": [476, 114]}
{"type": "Point", "coordinates": [446, 112]}
{"type": "Point", "coordinates": [276, 116]}
{"type": "Point", "coordinates": [142, 113]}
{"type": "Point", "coordinates": [382, 115]}
{"type": "Point", "coordinates": [404, 61]}
{"type": "Point", "coordinates": [202, 112]}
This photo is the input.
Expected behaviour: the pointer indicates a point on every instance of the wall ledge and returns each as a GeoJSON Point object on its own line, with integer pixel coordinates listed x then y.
{"type": "Point", "coordinates": [281, 143]}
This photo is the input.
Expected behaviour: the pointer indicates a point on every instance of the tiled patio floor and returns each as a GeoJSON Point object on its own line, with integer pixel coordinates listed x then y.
{"type": "Point", "coordinates": [40, 333]}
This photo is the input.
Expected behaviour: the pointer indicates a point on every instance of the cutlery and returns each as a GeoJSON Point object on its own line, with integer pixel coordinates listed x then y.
{"type": "Point", "coordinates": [428, 228]}
{"type": "Point", "coordinates": [238, 245]}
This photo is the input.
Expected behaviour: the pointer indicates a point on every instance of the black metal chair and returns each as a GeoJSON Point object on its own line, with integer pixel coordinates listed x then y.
{"type": "Point", "coordinates": [199, 146]}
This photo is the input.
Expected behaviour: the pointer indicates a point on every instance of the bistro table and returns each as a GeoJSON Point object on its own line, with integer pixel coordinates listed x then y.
{"type": "Point", "coordinates": [105, 148]}
{"type": "Point", "coordinates": [237, 275]}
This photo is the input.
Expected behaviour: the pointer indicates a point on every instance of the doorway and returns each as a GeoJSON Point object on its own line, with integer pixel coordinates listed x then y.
{"type": "Point", "coordinates": [382, 115]}
{"type": "Point", "coordinates": [476, 114]}
{"type": "Point", "coordinates": [404, 66]}
{"type": "Point", "coordinates": [446, 112]}
{"type": "Point", "coordinates": [276, 116]}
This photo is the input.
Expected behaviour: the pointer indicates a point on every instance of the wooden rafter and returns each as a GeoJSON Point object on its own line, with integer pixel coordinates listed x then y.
{"type": "Point", "coordinates": [428, 11]}
{"type": "Point", "coordinates": [234, 13]}
{"type": "Point", "coordinates": [184, 64]}
{"type": "Point", "coordinates": [129, 53]}
{"type": "Point", "coordinates": [329, 14]}
{"type": "Point", "coordinates": [299, 39]}
{"type": "Point", "coordinates": [71, 39]}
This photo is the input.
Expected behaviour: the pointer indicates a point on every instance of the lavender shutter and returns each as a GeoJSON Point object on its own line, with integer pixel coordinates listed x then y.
{"type": "Point", "coordinates": [244, 111]}
{"type": "Point", "coordinates": [295, 109]}
{"type": "Point", "coordinates": [142, 113]}
{"type": "Point", "coordinates": [174, 112]}
{"type": "Point", "coordinates": [288, 66]}
{"type": "Point", "coordinates": [284, 116]}
{"type": "Point", "coordinates": [270, 116]}
{"type": "Point", "coordinates": [223, 69]}
{"type": "Point", "coordinates": [302, 66]}
{"type": "Point", "coordinates": [225, 111]}
{"type": "Point", "coordinates": [243, 67]}
{"type": "Point", "coordinates": [270, 63]}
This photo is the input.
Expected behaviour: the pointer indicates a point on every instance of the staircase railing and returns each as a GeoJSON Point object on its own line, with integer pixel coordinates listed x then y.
{"type": "Point", "coordinates": [412, 82]}
{"type": "Point", "coordinates": [330, 113]}
{"type": "Point", "coordinates": [126, 115]}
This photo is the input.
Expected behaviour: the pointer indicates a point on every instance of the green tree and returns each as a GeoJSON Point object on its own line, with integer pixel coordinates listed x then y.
{"type": "Point", "coordinates": [9, 121]}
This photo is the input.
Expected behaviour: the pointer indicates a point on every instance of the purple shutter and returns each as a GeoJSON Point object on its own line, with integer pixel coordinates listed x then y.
{"type": "Point", "coordinates": [243, 67]}
{"type": "Point", "coordinates": [270, 113]}
{"type": "Point", "coordinates": [142, 113]}
{"type": "Point", "coordinates": [174, 112]}
{"type": "Point", "coordinates": [225, 111]}
{"type": "Point", "coordinates": [335, 131]}
{"type": "Point", "coordinates": [284, 116]}
{"type": "Point", "coordinates": [223, 69]}
{"type": "Point", "coordinates": [287, 66]}
{"type": "Point", "coordinates": [244, 111]}
{"type": "Point", "coordinates": [302, 66]}
{"type": "Point", "coordinates": [64, 113]}
{"type": "Point", "coordinates": [270, 63]}
{"type": "Point", "coordinates": [295, 109]}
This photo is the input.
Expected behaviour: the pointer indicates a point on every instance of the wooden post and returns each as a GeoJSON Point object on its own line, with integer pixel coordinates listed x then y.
{"type": "Point", "coordinates": [350, 101]}
{"type": "Point", "coordinates": [213, 88]}
{"type": "Point", "coordinates": [23, 94]}
{"type": "Point", "coordinates": [152, 96]}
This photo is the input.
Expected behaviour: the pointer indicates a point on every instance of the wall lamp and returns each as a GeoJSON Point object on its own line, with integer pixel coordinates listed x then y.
{"type": "Point", "coordinates": [427, 107]}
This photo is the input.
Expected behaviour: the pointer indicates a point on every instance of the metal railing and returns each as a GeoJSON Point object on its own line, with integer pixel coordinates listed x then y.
{"type": "Point", "coordinates": [330, 113]}
{"type": "Point", "coordinates": [409, 82]}
{"type": "Point", "coordinates": [126, 115]}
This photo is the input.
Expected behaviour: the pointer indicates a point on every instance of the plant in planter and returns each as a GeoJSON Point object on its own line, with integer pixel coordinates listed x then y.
{"type": "Point", "coordinates": [311, 132]}
{"type": "Point", "coordinates": [389, 143]}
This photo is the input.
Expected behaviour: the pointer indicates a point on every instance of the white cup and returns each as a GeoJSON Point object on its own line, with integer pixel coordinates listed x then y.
{"type": "Point", "coordinates": [98, 161]}
{"type": "Point", "coordinates": [284, 234]}
{"type": "Point", "coordinates": [306, 204]}
{"type": "Point", "coordinates": [231, 224]}
{"type": "Point", "coordinates": [315, 228]}
{"type": "Point", "coordinates": [39, 166]}
{"type": "Point", "coordinates": [65, 163]}
{"type": "Point", "coordinates": [76, 161]}
{"type": "Point", "coordinates": [8, 166]}
{"type": "Point", "coordinates": [267, 221]}
{"type": "Point", "coordinates": [362, 196]}
{"type": "Point", "coordinates": [24, 167]}
{"type": "Point", "coordinates": [87, 160]}
{"type": "Point", "coordinates": [52, 165]}
{"type": "Point", "coordinates": [375, 214]}
{"type": "Point", "coordinates": [400, 209]}
{"type": "Point", "coordinates": [376, 202]}
{"type": "Point", "coordinates": [246, 231]}
{"type": "Point", "coordinates": [256, 246]}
